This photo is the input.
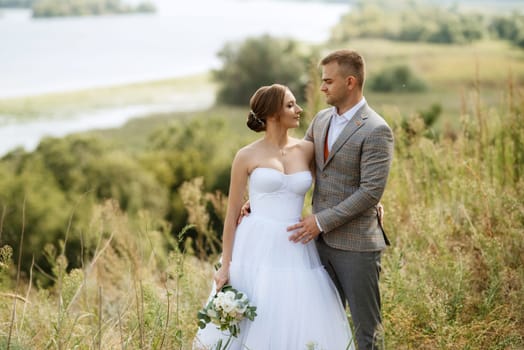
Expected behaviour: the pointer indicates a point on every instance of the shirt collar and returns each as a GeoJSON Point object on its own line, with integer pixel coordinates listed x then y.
{"type": "Point", "coordinates": [350, 113]}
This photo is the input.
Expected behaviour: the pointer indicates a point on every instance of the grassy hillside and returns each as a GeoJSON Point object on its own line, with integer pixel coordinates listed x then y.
{"type": "Point", "coordinates": [452, 279]}
{"type": "Point", "coordinates": [450, 71]}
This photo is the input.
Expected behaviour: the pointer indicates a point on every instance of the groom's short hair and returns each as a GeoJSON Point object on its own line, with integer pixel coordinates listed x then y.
{"type": "Point", "coordinates": [350, 63]}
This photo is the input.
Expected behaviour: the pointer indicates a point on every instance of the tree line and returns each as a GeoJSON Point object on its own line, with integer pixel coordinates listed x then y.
{"type": "Point", "coordinates": [58, 8]}
{"type": "Point", "coordinates": [63, 179]}
{"type": "Point", "coordinates": [416, 21]}
{"type": "Point", "coordinates": [16, 3]}
{"type": "Point", "coordinates": [50, 193]}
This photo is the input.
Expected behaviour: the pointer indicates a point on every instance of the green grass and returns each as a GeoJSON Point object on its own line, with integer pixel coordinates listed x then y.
{"type": "Point", "coordinates": [444, 66]}
{"type": "Point", "coordinates": [453, 277]}
{"type": "Point", "coordinates": [180, 91]}
{"type": "Point", "coordinates": [138, 291]}
{"type": "Point", "coordinates": [135, 135]}
{"type": "Point", "coordinates": [451, 72]}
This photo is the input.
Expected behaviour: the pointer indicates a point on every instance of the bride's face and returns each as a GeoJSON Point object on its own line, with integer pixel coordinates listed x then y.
{"type": "Point", "coordinates": [290, 114]}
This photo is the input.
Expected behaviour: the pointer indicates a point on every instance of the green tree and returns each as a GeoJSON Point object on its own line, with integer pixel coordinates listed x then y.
{"type": "Point", "coordinates": [33, 205]}
{"type": "Point", "coordinates": [260, 61]}
{"type": "Point", "coordinates": [87, 165]}
{"type": "Point", "coordinates": [16, 3]}
{"type": "Point", "coordinates": [54, 8]}
{"type": "Point", "coordinates": [63, 180]}
{"type": "Point", "coordinates": [366, 20]}
{"type": "Point", "coordinates": [396, 79]}
{"type": "Point", "coordinates": [455, 28]}
{"type": "Point", "coordinates": [184, 151]}
{"type": "Point", "coordinates": [408, 21]}
{"type": "Point", "coordinates": [509, 28]}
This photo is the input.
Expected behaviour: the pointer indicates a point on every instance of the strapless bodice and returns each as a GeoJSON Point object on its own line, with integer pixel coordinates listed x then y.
{"type": "Point", "coordinates": [278, 196]}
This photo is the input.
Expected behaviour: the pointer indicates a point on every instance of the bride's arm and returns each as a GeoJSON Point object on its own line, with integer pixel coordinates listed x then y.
{"type": "Point", "coordinates": [237, 188]}
{"type": "Point", "coordinates": [312, 169]}
{"type": "Point", "coordinates": [310, 156]}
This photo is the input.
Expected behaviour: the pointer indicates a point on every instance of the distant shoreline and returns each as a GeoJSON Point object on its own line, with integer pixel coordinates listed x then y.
{"type": "Point", "coordinates": [61, 104]}
{"type": "Point", "coordinates": [61, 114]}
{"type": "Point", "coordinates": [52, 9]}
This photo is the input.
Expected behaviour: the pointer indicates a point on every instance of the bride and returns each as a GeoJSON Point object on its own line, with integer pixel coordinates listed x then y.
{"type": "Point", "coordinates": [297, 303]}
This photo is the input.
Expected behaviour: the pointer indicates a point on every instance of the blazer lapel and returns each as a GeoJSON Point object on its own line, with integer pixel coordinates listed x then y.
{"type": "Point", "coordinates": [324, 127]}
{"type": "Point", "coordinates": [354, 124]}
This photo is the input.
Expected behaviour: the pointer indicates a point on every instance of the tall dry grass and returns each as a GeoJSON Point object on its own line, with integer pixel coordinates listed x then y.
{"type": "Point", "coordinates": [455, 272]}
{"type": "Point", "coordinates": [138, 291]}
{"type": "Point", "coordinates": [453, 277]}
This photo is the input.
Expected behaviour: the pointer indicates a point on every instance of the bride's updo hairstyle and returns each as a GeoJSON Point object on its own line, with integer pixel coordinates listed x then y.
{"type": "Point", "coordinates": [265, 102]}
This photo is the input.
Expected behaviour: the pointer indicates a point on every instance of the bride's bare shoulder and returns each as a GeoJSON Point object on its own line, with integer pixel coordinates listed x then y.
{"type": "Point", "coordinates": [248, 151]}
{"type": "Point", "coordinates": [252, 147]}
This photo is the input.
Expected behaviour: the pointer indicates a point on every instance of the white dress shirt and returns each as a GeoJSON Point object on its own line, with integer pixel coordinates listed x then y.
{"type": "Point", "coordinates": [339, 122]}
{"type": "Point", "coordinates": [336, 125]}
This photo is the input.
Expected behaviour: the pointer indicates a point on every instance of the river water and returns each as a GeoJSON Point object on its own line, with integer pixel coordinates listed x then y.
{"type": "Point", "coordinates": [61, 54]}
{"type": "Point", "coordinates": [182, 38]}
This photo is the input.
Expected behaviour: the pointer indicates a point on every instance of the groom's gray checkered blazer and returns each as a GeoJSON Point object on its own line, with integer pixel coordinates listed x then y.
{"type": "Point", "coordinates": [350, 182]}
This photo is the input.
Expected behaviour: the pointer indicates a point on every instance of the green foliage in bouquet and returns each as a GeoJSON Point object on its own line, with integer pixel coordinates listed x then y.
{"type": "Point", "coordinates": [226, 309]}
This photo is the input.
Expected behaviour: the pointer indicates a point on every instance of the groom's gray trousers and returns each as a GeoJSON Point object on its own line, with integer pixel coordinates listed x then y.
{"type": "Point", "coordinates": [356, 276]}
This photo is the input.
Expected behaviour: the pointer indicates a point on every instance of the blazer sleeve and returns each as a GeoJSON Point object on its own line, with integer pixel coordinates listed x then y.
{"type": "Point", "coordinates": [376, 158]}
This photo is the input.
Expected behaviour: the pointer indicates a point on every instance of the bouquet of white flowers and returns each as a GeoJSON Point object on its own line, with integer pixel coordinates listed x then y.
{"type": "Point", "coordinates": [226, 309]}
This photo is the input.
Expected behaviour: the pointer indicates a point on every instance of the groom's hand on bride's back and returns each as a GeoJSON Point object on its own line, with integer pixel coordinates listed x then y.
{"type": "Point", "coordinates": [244, 211]}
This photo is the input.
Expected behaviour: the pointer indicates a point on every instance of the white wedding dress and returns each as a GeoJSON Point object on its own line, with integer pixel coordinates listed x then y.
{"type": "Point", "coordinates": [298, 306]}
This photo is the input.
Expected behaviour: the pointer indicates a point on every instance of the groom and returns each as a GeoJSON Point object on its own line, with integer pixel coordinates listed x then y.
{"type": "Point", "coordinates": [353, 153]}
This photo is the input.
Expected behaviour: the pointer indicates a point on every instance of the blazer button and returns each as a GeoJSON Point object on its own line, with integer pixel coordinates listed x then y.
{"type": "Point", "coordinates": [324, 175]}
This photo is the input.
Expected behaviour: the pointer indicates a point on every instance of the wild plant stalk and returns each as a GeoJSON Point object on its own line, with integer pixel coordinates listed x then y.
{"type": "Point", "coordinates": [60, 311]}
{"type": "Point", "coordinates": [453, 271]}
{"type": "Point", "coordinates": [180, 272]}
{"type": "Point", "coordinates": [99, 335]}
{"type": "Point", "coordinates": [168, 311]}
{"type": "Point", "coordinates": [139, 295]}
{"type": "Point", "coordinates": [64, 310]}
{"type": "Point", "coordinates": [61, 271]}
{"type": "Point", "coordinates": [18, 269]}
{"type": "Point", "coordinates": [98, 253]}
{"type": "Point", "coordinates": [453, 277]}
{"type": "Point", "coordinates": [118, 250]}
{"type": "Point", "coordinates": [314, 99]}
{"type": "Point", "coordinates": [2, 218]}
{"type": "Point", "coordinates": [179, 275]}
{"type": "Point", "coordinates": [120, 332]}
{"type": "Point", "coordinates": [195, 202]}
{"type": "Point", "coordinates": [27, 292]}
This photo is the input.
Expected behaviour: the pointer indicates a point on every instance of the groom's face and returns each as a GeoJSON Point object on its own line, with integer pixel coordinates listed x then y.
{"type": "Point", "coordinates": [334, 84]}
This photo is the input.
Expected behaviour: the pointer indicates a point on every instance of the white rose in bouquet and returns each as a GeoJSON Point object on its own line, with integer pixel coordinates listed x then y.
{"type": "Point", "coordinates": [226, 310]}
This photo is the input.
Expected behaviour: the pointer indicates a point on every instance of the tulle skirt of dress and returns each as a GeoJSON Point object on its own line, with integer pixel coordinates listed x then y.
{"type": "Point", "coordinates": [298, 306]}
